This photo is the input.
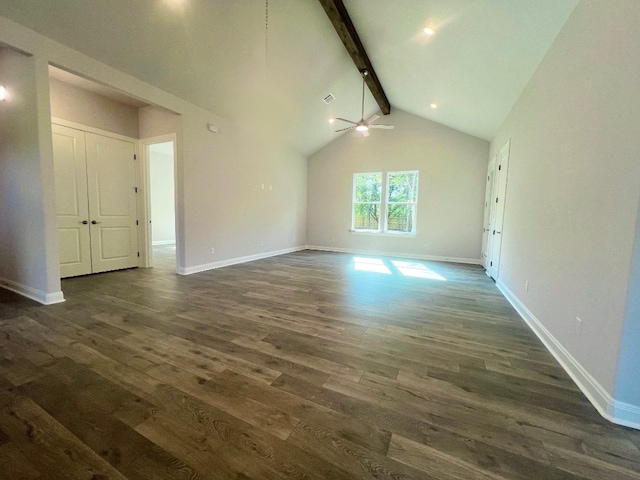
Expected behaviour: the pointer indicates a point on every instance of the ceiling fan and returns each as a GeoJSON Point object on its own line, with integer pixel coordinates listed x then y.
{"type": "Point", "coordinates": [364, 125]}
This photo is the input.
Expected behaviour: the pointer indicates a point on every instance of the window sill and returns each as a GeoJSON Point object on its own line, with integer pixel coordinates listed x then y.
{"type": "Point", "coordinates": [382, 234]}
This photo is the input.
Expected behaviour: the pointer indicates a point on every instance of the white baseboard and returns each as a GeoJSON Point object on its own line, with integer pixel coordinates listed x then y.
{"type": "Point", "coordinates": [613, 410]}
{"type": "Point", "coordinates": [32, 293]}
{"type": "Point", "coordinates": [235, 261]}
{"type": "Point", "coordinates": [163, 242]}
{"type": "Point", "coordinates": [433, 258]}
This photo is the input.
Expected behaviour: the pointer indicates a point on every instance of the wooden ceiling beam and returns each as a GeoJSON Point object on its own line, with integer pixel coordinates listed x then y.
{"type": "Point", "coordinates": [341, 21]}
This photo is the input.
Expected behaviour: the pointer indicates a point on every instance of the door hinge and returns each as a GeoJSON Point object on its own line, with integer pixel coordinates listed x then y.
{"type": "Point", "coordinates": [138, 254]}
{"type": "Point", "coordinates": [499, 167]}
{"type": "Point", "coordinates": [136, 189]}
{"type": "Point", "coordinates": [496, 199]}
{"type": "Point", "coordinates": [137, 222]}
{"type": "Point", "coordinates": [135, 157]}
{"type": "Point", "coordinates": [491, 264]}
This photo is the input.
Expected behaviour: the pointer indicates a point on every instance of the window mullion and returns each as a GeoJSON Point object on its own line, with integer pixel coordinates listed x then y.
{"type": "Point", "coordinates": [384, 194]}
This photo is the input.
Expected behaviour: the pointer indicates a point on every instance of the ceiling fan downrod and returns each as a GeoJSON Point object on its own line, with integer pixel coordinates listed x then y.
{"type": "Point", "coordinates": [364, 73]}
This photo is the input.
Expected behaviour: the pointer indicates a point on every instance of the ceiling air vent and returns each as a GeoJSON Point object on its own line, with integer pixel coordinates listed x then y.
{"type": "Point", "coordinates": [328, 99]}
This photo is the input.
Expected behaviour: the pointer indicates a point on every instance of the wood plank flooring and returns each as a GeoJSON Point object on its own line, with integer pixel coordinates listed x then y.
{"type": "Point", "coordinates": [311, 365]}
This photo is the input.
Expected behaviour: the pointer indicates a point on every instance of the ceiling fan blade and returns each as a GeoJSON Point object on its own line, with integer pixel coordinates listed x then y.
{"type": "Point", "coordinates": [343, 129]}
{"type": "Point", "coordinates": [372, 119]}
{"type": "Point", "coordinates": [387, 127]}
{"type": "Point", "coordinates": [365, 133]}
{"type": "Point", "coordinates": [345, 120]}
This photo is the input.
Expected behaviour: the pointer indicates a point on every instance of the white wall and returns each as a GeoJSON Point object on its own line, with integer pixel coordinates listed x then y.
{"type": "Point", "coordinates": [71, 103]}
{"type": "Point", "coordinates": [573, 193]}
{"type": "Point", "coordinates": [219, 200]}
{"type": "Point", "coordinates": [161, 179]}
{"type": "Point", "coordinates": [225, 206]}
{"type": "Point", "coordinates": [155, 122]}
{"type": "Point", "coordinates": [27, 200]}
{"type": "Point", "coordinates": [452, 168]}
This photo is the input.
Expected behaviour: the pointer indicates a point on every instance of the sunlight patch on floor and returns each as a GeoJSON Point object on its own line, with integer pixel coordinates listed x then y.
{"type": "Point", "coordinates": [416, 269]}
{"type": "Point", "coordinates": [370, 265]}
{"type": "Point", "coordinates": [405, 268]}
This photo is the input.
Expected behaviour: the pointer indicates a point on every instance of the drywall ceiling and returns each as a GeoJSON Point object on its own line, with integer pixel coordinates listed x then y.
{"type": "Point", "coordinates": [220, 55]}
{"type": "Point", "coordinates": [474, 67]}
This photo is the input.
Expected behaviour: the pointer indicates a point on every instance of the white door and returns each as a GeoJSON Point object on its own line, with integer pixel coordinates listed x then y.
{"type": "Point", "coordinates": [112, 202]}
{"type": "Point", "coordinates": [489, 214]}
{"type": "Point", "coordinates": [96, 208]}
{"type": "Point", "coordinates": [72, 206]}
{"type": "Point", "coordinates": [500, 197]}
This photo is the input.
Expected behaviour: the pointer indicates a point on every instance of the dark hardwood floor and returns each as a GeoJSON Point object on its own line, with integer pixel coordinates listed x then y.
{"type": "Point", "coordinates": [309, 365]}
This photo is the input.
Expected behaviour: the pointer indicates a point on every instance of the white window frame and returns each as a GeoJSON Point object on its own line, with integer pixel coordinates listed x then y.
{"type": "Point", "coordinates": [383, 227]}
{"type": "Point", "coordinates": [413, 204]}
{"type": "Point", "coordinates": [353, 203]}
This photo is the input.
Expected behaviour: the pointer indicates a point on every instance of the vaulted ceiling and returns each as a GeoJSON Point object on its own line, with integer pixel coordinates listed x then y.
{"type": "Point", "coordinates": [272, 71]}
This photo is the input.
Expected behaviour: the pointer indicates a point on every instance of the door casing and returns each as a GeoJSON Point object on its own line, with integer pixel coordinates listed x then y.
{"type": "Point", "coordinates": [144, 205]}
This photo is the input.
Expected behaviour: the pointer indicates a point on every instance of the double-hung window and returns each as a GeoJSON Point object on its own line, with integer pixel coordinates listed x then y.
{"type": "Point", "coordinates": [402, 197]}
{"type": "Point", "coordinates": [387, 207]}
{"type": "Point", "coordinates": [367, 201]}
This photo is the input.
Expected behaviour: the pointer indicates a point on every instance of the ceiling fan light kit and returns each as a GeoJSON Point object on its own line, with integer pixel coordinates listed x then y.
{"type": "Point", "coordinates": [363, 125]}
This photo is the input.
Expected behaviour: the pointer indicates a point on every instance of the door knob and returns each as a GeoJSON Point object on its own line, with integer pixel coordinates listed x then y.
{"type": "Point", "coordinates": [93, 222]}
{"type": "Point", "coordinates": [84, 222]}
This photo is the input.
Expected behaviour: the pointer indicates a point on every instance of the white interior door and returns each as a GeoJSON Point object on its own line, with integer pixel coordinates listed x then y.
{"type": "Point", "coordinates": [489, 214]}
{"type": "Point", "coordinates": [112, 202]}
{"type": "Point", "coordinates": [72, 207]}
{"type": "Point", "coordinates": [500, 197]}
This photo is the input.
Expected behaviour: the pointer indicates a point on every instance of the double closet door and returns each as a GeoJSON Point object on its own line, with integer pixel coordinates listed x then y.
{"type": "Point", "coordinates": [96, 211]}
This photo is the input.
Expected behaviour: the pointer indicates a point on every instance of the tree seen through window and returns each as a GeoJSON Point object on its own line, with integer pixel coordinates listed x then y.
{"type": "Point", "coordinates": [399, 208]}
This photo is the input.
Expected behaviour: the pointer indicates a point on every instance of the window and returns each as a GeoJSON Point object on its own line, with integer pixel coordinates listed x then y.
{"type": "Point", "coordinates": [402, 196]}
{"type": "Point", "coordinates": [367, 201]}
{"type": "Point", "coordinates": [398, 209]}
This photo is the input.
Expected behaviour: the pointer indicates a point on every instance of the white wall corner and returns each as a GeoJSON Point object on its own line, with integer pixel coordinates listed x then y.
{"type": "Point", "coordinates": [432, 258]}
{"type": "Point", "coordinates": [31, 293]}
{"type": "Point", "coordinates": [617, 412]}
{"type": "Point", "coordinates": [235, 261]}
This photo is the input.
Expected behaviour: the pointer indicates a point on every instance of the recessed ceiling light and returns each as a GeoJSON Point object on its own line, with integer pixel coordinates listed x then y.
{"type": "Point", "coordinates": [434, 105]}
{"type": "Point", "coordinates": [331, 120]}
{"type": "Point", "coordinates": [3, 93]}
{"type": "Point", "coordinates": [429, 31]}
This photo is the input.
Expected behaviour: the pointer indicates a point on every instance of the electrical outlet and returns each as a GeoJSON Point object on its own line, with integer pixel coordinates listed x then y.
{"type": "Point", "coordinates": [212, 251]}
{"type": "Point", "coordinates": [526, 286]}
{"type": "Point", "coordinates": [262, 244]}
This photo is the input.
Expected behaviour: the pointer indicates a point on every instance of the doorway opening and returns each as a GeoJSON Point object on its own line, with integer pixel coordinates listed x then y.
{"type": "Point", "coordinates": [161, 204]}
